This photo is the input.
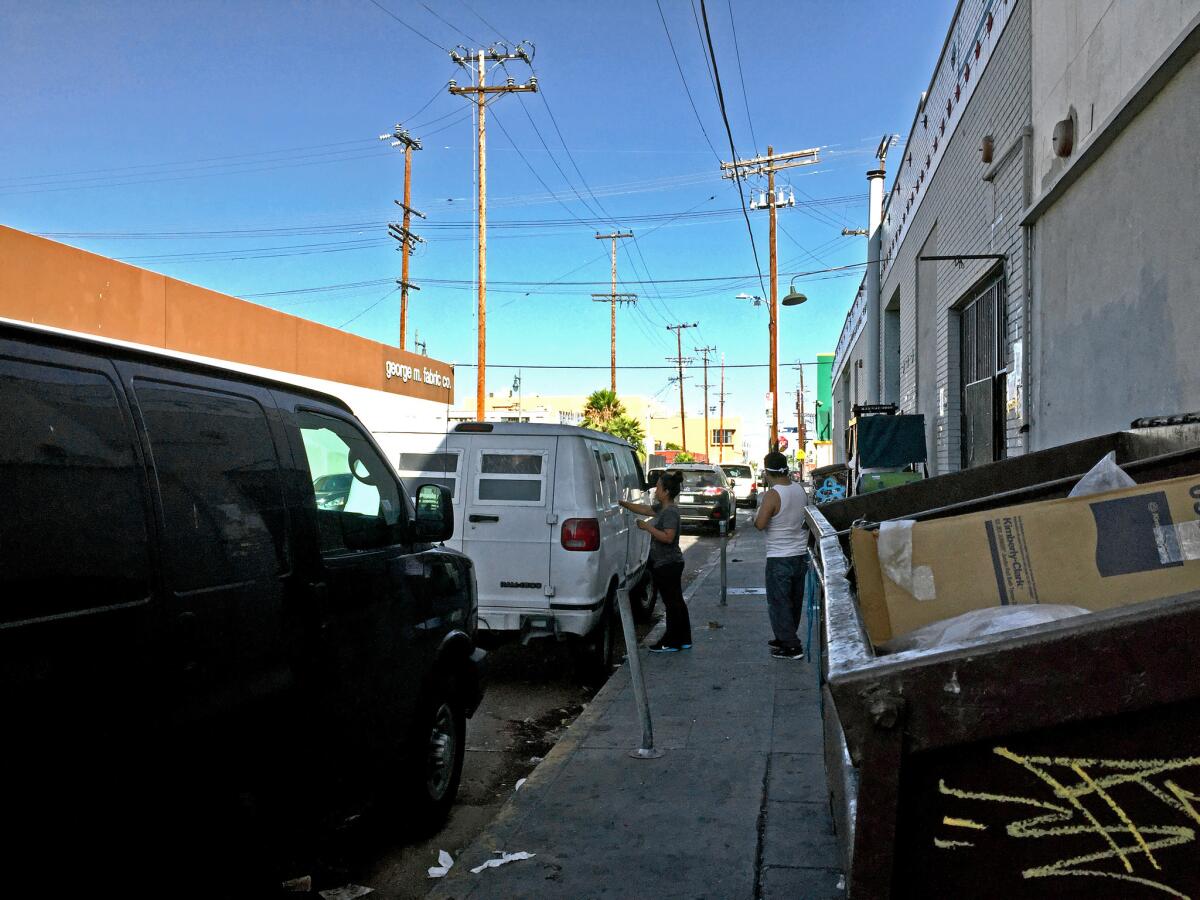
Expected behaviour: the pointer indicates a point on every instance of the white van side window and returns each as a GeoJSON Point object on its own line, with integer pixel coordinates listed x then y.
{"type": "Point", "coordinates": [416, 469]}
{"type": "Point", "coordinates": [515, 477]}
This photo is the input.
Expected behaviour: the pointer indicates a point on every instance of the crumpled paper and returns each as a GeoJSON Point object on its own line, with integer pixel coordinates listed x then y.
{"type": "Point", "coordinates": [445, 861]}
{"type": "Point", "coordinates": [346, 892]}
{"type": "Point", "coordinates": [502, 859]}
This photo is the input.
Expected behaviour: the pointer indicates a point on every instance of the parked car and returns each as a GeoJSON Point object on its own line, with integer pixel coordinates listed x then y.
{"type": "Point", "coordinates": [536, 510]}
{"type": "Point", "coordinates": [743, 483]}
{"type": "Point", "coordinates": [705, 497]}
{"type": "Point", "coordinates": [186, 631]}
{"type": "Point", "coordinates": [332, 490]}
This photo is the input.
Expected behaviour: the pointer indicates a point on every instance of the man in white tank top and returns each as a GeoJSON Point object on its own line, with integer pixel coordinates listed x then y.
{"type": "Point", "coordinates": [781, 516]}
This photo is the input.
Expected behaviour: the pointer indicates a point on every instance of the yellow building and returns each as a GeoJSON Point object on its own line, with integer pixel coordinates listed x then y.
{"type": "Point", "coordinates": [663, 428]}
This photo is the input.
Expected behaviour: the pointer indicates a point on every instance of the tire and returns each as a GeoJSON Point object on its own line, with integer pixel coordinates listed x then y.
{"type": "Point", "coordinates": [733, 521]}
{"type": "Point", "coordinates": [435, 758]}
{"type": "Point", "coordinates": [600, 651]}
{"type": "Point", "coordinates": [643, 598]}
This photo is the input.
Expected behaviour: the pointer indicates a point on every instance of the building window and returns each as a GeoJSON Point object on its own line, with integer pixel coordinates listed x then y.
{"type": "Point", "coordinates": [983, 366]}
{"type": "Point", "coordinates": [722, 437]}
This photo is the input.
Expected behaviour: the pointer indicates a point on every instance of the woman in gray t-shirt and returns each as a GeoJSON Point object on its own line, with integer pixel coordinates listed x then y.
{"type": "Point", "coordinates": [666, 560]}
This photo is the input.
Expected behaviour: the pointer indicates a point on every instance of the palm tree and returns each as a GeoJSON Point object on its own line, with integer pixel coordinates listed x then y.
{"type": "Point", "coordinates": [630, 429]}
{"type": "Point", "coordinates": [601, 408]}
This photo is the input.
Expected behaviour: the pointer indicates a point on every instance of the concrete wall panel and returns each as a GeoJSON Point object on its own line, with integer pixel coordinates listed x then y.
{"type": "Point", "coordinates": [1119, 285]}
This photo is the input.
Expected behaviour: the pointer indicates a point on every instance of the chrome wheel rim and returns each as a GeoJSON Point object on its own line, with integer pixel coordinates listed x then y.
{"type": "Point", "coordinates": [443, 747]}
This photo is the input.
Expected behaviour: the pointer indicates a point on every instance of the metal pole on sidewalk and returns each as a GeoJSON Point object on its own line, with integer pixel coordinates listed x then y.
{"type": "Point", "coordinates": [724, 542]}
{"type": "Point", "coordinates": [647, 750]}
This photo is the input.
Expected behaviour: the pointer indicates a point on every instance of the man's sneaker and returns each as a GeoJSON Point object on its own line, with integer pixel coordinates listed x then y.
{"type": "Point", "coordinates": [660, 647]}
{"type": "Point", "coordinates": [785, 653]}
{"type": "Point", "coordinates": [774, 643]}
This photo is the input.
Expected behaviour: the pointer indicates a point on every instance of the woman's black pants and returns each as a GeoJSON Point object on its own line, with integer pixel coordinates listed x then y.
{"type": "Point", "coordinates": [668, 581]}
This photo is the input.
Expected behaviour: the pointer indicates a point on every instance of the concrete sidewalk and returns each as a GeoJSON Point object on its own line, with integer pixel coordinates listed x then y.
{"type": "Point", "coordinates": [735, 808]}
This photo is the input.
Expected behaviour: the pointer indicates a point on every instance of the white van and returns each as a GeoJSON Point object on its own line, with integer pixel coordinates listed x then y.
{"type": "Point", "coordinates": [536, 510]}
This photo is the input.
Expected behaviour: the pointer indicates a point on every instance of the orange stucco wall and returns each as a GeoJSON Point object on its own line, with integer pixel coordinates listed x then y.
{"type": "Point", "coordinates": [48, 283]}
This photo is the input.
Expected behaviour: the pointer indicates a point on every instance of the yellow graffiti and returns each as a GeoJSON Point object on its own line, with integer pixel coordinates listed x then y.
{"type": "Point", "coordinates": [963, 823]}
{"type": "Point", "coordinates": [950, 845]}
{"type": "Point", "coordinates": [1072, 781]}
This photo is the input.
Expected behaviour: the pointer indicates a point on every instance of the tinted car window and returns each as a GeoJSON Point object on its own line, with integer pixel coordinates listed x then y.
{"type": "Point", "coordinates": [220, 485]}
{"type": "Point", "coordinates": [693, 480]}
{"type": "Point", "coordinates": [366, 515]}
{"type": "Point", "coordinates": [737, 471]}
{"type": "Point", "coordinates": [73, 534]}
{"type": "Point", "coordinates": [507, 477]}
{"type": "Point", "coordinates": [417, 469]}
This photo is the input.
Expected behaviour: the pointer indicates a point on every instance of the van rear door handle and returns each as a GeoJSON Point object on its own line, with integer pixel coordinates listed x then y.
{"type": "Point", "coordinates": [475, 517]}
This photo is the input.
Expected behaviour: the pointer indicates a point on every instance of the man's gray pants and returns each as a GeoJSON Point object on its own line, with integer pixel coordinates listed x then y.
{"type": "Point", "coordinates": [785, 598]}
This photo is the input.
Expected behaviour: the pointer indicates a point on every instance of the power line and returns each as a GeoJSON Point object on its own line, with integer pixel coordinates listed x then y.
{"type": "Point", "coordinates": [419, 34]}
{"type": "Point", "coordinates": [471, 9]}
{"type": "Point", "coordinates": [433, 13]}
{"type": "Point", "coordinates": [683, 78]}
{"type": "Point", "coordinates": [729, 133]}
{"type": "Point", "coordinates": [741, 75]}
{"type": "Point", "coordinates": [527, 284]}
{"type": "Point", "coordinates": [492, 365]}
{"type": "Point", "coordinates": [367, 309]}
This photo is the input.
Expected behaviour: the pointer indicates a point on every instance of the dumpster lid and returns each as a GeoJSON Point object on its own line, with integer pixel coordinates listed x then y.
{"type": "Point", "coordinates": [888, 441]}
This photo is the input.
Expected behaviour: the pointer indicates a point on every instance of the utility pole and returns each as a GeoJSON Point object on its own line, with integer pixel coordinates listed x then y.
{"type": "Point", "coordinates": [481, 89]}
{"type": "Point", "coordinates": [418, 344]}
{"type": "Point", "coordinates": [679, 360]}
{"type": "Point", "coordinates": [768, 165]}
{"type": "Point", "coordinates": [614, 298]}
{"type": "Point", "coordinates": [401, 138]}
{"type": "Point", "coordinates": [704, 351]}
{"type": "Point", "coordinates": [721, 427]}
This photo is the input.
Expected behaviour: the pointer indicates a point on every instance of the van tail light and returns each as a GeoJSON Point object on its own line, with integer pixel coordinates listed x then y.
{"type": "Point", "coordinates": [581, 534]}
{"type": "Point", "coordinates": [713, 492]}
{"type": "Point", "coordinates": [754, 487]}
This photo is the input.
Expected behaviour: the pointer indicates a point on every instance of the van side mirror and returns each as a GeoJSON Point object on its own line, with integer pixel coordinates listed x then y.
{"type": "Point", "coordinates": [435, 513]}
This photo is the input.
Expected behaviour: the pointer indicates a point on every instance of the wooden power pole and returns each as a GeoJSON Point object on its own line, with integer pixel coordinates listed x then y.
{"type": "Point", "coordinates": [614, 298]}
{"type": "Point", "coordinates": [401, 232]}
{"type": "Point", "coordinates": [768, 165]}
{"type": "Point", "coordinates": [679, 361]}
{"type": "Point", "coordinates": [480, 89]}
{"type": "Point", "coordinates": [704, 351]}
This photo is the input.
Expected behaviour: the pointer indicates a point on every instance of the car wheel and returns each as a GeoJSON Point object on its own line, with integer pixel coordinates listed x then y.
{"type": "Point", "coordinates": [601, 649]}
{"type": "Point", "coordinates": [435, 760]}
{"type": "Point", "coordinates": [733, 520]}
{"type": "Point", "coordinates": [643, 598]}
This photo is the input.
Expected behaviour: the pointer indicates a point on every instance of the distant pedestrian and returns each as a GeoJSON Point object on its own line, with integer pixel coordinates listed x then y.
{"type": "Point", "coordinates": [781, 515]}
{"type": "Point", "coordinates": [666, 560]}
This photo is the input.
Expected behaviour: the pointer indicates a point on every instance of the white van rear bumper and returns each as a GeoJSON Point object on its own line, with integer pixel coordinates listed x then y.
{"type": "Point", "coordinates": [560, 619]}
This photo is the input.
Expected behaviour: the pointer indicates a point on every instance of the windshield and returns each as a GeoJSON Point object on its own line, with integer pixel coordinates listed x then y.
{"type": "Point", "coordinates": [339, 482]}
{"type": "Point", "coordinates": [695, 481]}
{"type": "Point", "coordinates": [737, 471]}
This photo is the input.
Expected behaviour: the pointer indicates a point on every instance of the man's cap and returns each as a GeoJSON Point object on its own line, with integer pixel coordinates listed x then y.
{"type": "Point", "coordinates": [775, 463]}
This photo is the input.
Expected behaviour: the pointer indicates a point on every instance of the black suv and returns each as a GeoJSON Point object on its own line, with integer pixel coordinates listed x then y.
{"type": "Point", "coordinates": [221, 619]}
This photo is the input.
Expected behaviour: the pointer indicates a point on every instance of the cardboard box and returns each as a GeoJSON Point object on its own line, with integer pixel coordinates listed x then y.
{"type": "Point", "coordinates": [1097, 552]}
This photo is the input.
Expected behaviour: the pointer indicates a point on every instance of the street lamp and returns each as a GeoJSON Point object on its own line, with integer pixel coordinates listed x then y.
{"type": "Point", "coordinates": [794, 297]}
{"type": "Point", "coordinates": [753, 297]}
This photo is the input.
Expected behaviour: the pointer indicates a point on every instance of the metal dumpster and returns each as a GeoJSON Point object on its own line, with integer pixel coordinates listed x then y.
{"type": "Point", "coordinates": [1057, 761]}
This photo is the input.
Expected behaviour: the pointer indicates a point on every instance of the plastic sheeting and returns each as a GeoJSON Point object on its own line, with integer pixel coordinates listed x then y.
{"type": "Point", "coordinates": [980, 625]}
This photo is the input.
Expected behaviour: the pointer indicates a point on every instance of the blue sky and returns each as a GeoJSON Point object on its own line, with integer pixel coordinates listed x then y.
{"type": "Point", "coordinates": [234, 145]}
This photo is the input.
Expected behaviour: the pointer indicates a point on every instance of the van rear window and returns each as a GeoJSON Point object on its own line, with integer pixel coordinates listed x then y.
{"type": "Point", "coordinates": [516, 476]}
{"type": "Point", "coordinates": [511, 464]}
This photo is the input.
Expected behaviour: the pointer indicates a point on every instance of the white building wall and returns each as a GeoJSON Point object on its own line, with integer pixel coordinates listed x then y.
{"type": "Point", "coordinates": [1087, 56]}
{"type": "Point", "coordinates": [1117, 298]}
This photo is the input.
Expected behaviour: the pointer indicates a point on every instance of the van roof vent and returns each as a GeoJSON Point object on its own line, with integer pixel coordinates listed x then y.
{"type": "Point", "coordinates": [473, 426]}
